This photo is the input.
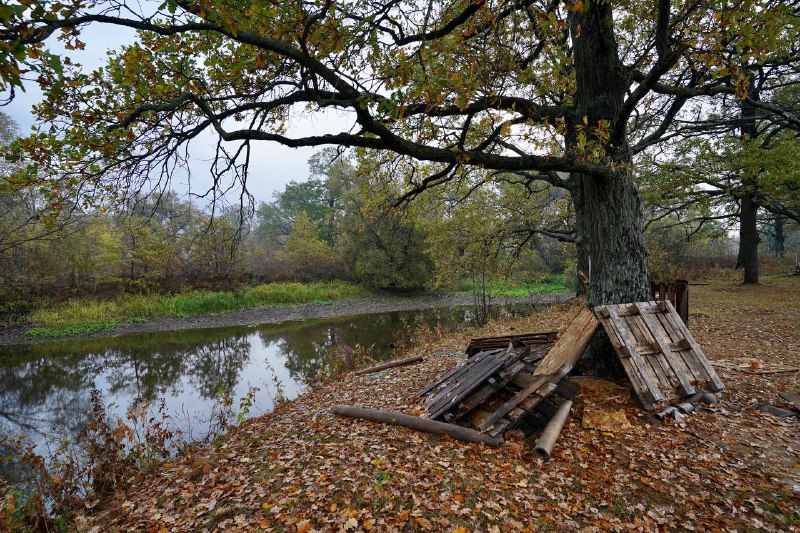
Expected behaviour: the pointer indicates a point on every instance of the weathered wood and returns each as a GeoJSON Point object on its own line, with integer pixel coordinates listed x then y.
{"type": "Point", "coordinates": [660, 356]}
{"type": "Point", "coordinates": [487, 390]}
{"type": "Point", "coordinates": [392, 364]}
{"type": "Point", "coordinates": [626, 336]}
{"type": "Point", "coordinates": [701, 358]}
{"type": "Point", "coordinates": [417, 423]}
{"type": "Point", "coordinates": [676, 292]}
{"type": "Point", "coordinates": [448, 387]}
{"type": "Point", "coordinates": [515, 400]}
{"type": "Point", "coordinates": [484, 343]}
{"type": "Point", "coordinates": [527, 405]}
{"type": "Point", "coordinates": [454, 373]}
{"type": "Point", "coordinates": [570, 344]}
{"type": "Point", "coordinates": [656, 331]}
{"type": "Point", "coordinates": [470, 383]}
{"type": "Point", "coordinates": [771, 409]}
{"type": "Point", "coordinates": [544, 446]}
{"type": "Point", "coordinates": [792, 398]}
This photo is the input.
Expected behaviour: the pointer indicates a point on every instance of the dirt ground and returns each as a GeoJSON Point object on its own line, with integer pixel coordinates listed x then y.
{"type": "Point", "coordinates": [300, 468]}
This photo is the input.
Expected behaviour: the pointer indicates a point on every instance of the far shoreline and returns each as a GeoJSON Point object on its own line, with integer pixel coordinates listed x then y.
{"type": "Point", "coordinates": [11, 336]}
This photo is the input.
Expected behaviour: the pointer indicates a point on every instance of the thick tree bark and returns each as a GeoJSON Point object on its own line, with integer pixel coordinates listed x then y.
{"type": "Point", "coordinates": [748, 238]}
{"type": "Point", "coordinates": [611, 204]}
{"type": "Point", "coordinates": [581, 240]}
{"type": "Point", "coordinates": [748, 207]}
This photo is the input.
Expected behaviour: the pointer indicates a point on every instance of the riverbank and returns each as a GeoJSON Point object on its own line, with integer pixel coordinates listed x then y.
{"type": "Point", "coordinates": [273, 314]}
{"type": "Point", "coordinates": [300, 468]}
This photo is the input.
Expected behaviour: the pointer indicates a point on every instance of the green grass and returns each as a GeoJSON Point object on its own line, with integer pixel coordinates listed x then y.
{"type": "Point", "coordinates": [87, 316]}
{"type": "Point", "coordinates": [515, 290]}
{"type": "Point", "coordinates": [47, 332]}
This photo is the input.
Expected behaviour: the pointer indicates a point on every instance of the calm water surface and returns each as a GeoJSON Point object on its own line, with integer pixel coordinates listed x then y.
{"type": "Point", "coordinates": [45, 388]}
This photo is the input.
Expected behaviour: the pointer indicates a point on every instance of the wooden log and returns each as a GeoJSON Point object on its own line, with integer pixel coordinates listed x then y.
{"type": "Point", "coordinates": [392, 364]}
{"type": "Point", "coordinates": [544, 446]}
{"type": "Point", "coordinates": [417, 423]}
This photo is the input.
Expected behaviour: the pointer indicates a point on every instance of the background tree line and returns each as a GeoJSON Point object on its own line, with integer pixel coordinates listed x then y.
{"type": "Point", "coordinates": [475, 232]}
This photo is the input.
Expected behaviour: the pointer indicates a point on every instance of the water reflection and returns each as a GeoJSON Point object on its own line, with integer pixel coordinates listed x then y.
{"type": "Point", "coordinates": [45, 389]}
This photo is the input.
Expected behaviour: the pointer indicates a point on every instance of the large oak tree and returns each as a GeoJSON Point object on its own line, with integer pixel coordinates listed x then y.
{"type": "Point", "coordinates": [563, 91]}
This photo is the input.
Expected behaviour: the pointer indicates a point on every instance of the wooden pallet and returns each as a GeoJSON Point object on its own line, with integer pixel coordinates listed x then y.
{"type": "Point", "coordinates": [500, 389]}
{"type": "Point", "coordinates": [663, 361]}
{"type": "Point", "coordinates": [482, 344]}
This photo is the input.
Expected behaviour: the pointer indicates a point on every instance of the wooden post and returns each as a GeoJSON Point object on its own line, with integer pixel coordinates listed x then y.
{"type": "Point", "coordinates": [682, 299]}
{"type": "Point", "coordinates": [420, 424]}
{"type": "Point", "coordinates": [544, 446]}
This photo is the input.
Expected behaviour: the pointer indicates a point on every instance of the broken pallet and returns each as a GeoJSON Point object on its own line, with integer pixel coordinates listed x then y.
{"type": "Point", "coordinates": [661, 358]}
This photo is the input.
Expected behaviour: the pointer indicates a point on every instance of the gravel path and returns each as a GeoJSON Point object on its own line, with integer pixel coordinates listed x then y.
{"type": "Point", "coordinates": [273, 314]}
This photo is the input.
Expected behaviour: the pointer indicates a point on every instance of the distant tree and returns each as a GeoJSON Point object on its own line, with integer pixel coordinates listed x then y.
{"type": "Point", "coordinates": [311, 257]}
{"type": "Point", "coordinates": [380, 246]}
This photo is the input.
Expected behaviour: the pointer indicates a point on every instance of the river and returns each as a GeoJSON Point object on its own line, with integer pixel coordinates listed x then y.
{"type": "Point", "coordinates": [45, 389]}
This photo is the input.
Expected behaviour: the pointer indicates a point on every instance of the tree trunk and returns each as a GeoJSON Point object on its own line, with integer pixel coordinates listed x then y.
{"type": "Point", "coordinates": [778, 236]}
{"type": "Point", "coordinates": [611, 205]}
{"type": "Point", "coordinates": [581, 242]}
{"type": "Point", "coordinates": [748, 238]}
{"type": "Point", "coordinates": [614, 231]}
{"type": "Point", "coordinates": [748, 207]}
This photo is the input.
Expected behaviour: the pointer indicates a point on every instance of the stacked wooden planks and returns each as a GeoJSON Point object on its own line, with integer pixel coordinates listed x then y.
{"type": "Point", "coordinates": [661, 358]}
{"type": "Point", "coordinates": [503, 388]}
{"type": "Point", "coordinates": [482, 344]}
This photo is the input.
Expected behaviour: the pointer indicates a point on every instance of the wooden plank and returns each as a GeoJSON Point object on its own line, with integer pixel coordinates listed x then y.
{"type": "Point", "coordinates": [483, 343]}
{"type": "Point", "coordinates": [504, 409]}
{"type": "Point", "coordinates": [454, 373]}
{"type": "Point", "coordinates": [657, 331]}
{"type": "Point", "coordinates": [565, 389]}
{"type": "Point", "coordinates": [487, 390]}
{"type": "Point", "coordinates": [625, 335]}
{"type": "Point", "coordinates": [679, 344]}
{"type": "Point", "coordinates": [571, 344]}
{"type": "Point", "coordinates": [472, 381]}
{"type": "Point", "coordinates": [500, 427]}
{"type": "Point", "coordinates": [698, 352]}
{"type": "Point", "coordinates": [528, 405]}
{"type": "Point", "coordinates": [455, 381]}
{"type": "Point", "coordinates": [652, 358]}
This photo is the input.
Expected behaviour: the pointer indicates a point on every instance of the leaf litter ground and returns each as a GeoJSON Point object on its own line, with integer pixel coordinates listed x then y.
{"type": "Point", "coordinates": [300, 468]}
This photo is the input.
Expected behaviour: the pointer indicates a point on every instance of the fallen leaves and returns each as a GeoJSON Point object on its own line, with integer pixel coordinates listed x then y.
{"type": "Point", "coordinates": [305, 470]}
{"type": "Point", "coordinates": [612, 420]}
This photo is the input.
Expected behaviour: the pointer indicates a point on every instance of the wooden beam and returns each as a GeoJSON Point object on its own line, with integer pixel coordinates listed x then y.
{"type": "Point", "coordinates": [571, 344]}
{"type": "Point", "coordinates": [420, 424]}
{"type": "Point", "coordinates": [392, 364]}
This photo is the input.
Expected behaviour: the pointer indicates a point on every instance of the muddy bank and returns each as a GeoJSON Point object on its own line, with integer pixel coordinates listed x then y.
{"type": "Point", "coordinates": [273, 314]}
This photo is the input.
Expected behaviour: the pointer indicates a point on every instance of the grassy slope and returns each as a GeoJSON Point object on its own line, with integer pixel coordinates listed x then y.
{"type": "Point", "coordinates": [300, 467]}
{"type": "Point", "coordinates": [87, 316]}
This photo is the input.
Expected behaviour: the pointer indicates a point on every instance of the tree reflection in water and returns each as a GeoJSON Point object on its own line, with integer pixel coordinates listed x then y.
{"type": "Point", "coordinates": [45, 388]}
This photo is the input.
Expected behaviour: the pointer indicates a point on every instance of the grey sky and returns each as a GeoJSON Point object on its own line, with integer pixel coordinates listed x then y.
{"type": "Point", "coordinates": [272, 165]}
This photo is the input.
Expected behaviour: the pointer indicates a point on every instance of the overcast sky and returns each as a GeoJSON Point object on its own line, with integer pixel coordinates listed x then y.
{"type": "Point", "coordinates": [272, 165]}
